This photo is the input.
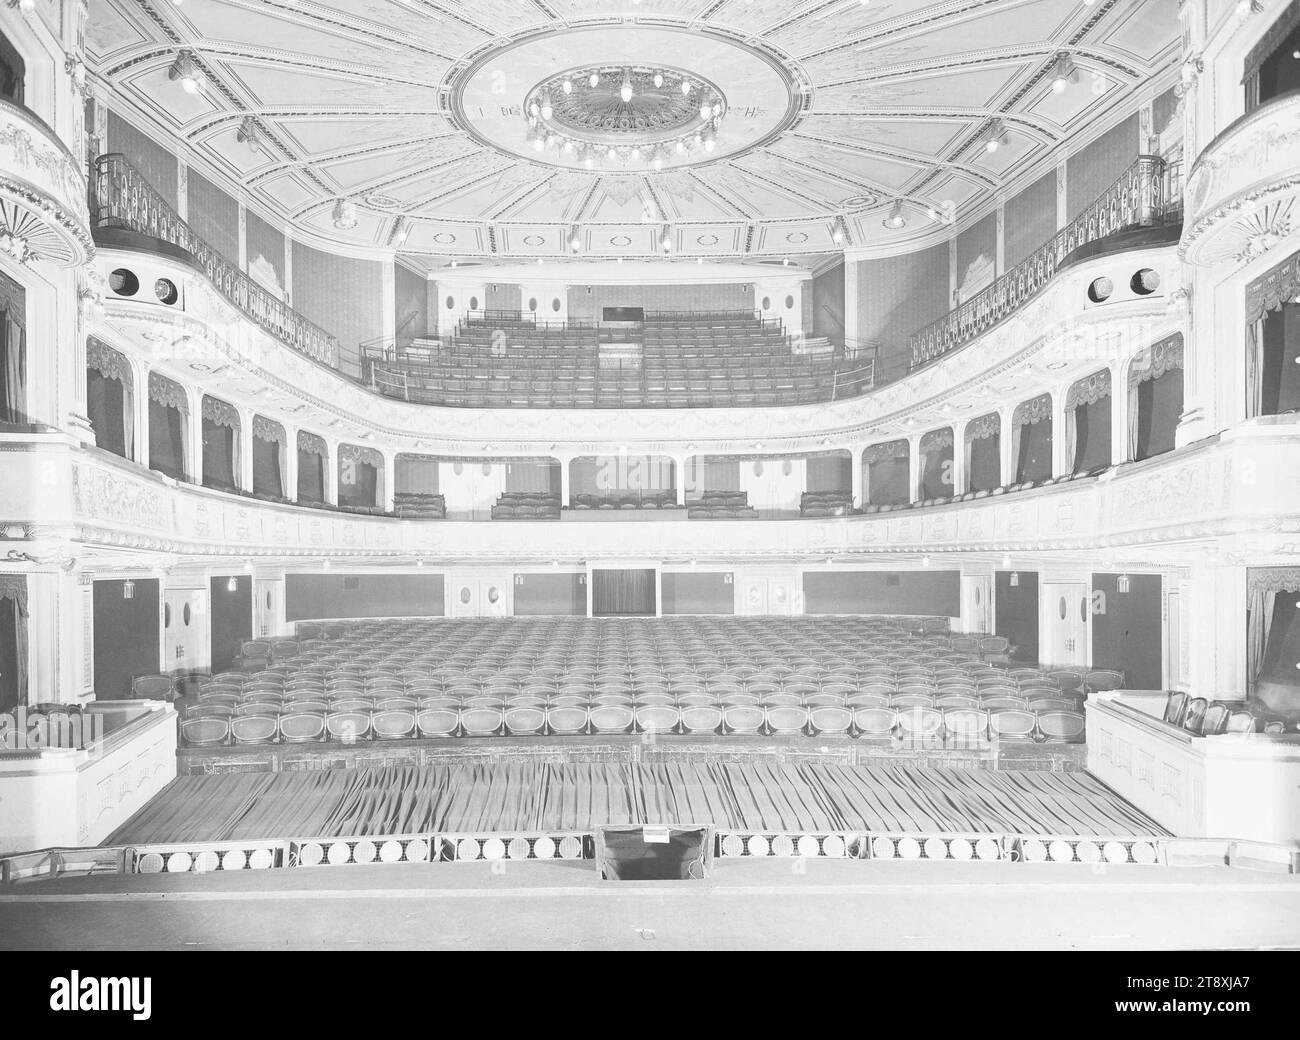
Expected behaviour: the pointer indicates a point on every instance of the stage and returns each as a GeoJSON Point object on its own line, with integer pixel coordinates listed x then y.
{"type": "Point", "coordinates": [520, 797]}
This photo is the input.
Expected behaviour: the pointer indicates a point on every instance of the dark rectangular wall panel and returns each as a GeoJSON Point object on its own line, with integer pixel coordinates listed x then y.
{"type": "Point", "coordinates": [214, 215]}
{"type": "Point", "coordinates": [155, 162]}
{"type": "Point", "coordinates": [587, 306]}
{"type": "Point", "coordinates": [1029, 219]}
{"type": "Point", "coordinates": [127, 636]}
{"type": "Point", "coordinates": [898, 296]}
{"type": "Point", "coordinates": [1095, 168]}
{"type": "Point", "coordinates": [874, 592]}
{"type": "Point", "coordinates": [313, 596]}
{"type": "Point", "coordinates": [341, 295]}
{"type": "Point", "coordinates": [823, 313]}
{"type": "Point", "coordinates": [562, 595]}
{"type": "Point", "coordinates": [1016, 612]}
{"type": "Point", "coordinates": [411, 304]}
{"type": "Point", "coordinates": [980, 240]}
{"type": "Point", "coordinates": [711, 592]}
{"type": "Point", "coordinates": [1128, 629]}
{"type": "Point", "coordinates": [232, 619]}
{"type": "Point", "coordinates": [264, 246]}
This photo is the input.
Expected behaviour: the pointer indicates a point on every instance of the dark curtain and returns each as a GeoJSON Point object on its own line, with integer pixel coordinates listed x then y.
{"type": "Point", "coordinates": [1092, 430]}
{"type": "Point", "coordinates": [13, 361]}
{"type": "Point", "coordinates": [166, 440]}
{"type": "Point", "coordinates": [311, 477]}
{"type": "Point", "coordinates": [106, 409]}
{"type": "Point", "coordinates": [12, 72]}
{"type": "Point", "coordinates": [889, 482]}
{"type": "Point", "coordinates": [231, 619]}
{"type": "Point", "coordinates": [1016, 612]}
{"type": "Point", "coordinates": [1035, 451]}
{"type": "Point", "coordinates": [267, 478]}
{"type": "Point", "coordinates": [1281, 375]}
{"type": "Point", "coordinates": [361, 491]}
{"type": "Point", "coordinates": [830, 473]}
{"type": "Point", "coordinates": [418, 475]}
{"type": "Point", "coordinates": [532, 475]}
{"type": "Point", "coordinates": [218, 456]}
{"type": "Point", "coordinates": [1278, 683]}
{"type": "Point", "coordinates": [1160, 405]}
{"type": "Point", "coordinates": [1280, 71]}
{"type": "Point", "coordinates": [985, 463]}
{"type": "Point", "coordinates": [623, 593]}
{"type": "Point", "coordinates": [936, 478]}
{"type": "Point", "coordinates": [13, 654]}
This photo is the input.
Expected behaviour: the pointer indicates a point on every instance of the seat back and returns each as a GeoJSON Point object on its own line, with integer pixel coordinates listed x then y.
{"type": "Point", "coordinates": [1062, 726]}
{"type": "Point", "coordinates": [1194, 718]}
{"type": "Point", "coordinates": [1216, 720]}
{"type": "Point", "coordinates": [1175, 708]}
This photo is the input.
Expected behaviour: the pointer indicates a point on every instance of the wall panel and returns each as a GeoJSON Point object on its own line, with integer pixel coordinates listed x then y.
{"type": "Point", "coordinates": [880, 592]}
{"type": "Point", "coordinates": [312, 596]}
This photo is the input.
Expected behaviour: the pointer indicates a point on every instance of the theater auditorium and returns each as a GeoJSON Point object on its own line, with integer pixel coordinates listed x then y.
{"type": "Point", "coordinates": [633, 473]}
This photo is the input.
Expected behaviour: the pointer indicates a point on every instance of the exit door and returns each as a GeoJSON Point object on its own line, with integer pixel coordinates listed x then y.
{"type": "Point", "coordinates": [1066, 611]}
{"type": "Point", "coordinates": [182, 631]}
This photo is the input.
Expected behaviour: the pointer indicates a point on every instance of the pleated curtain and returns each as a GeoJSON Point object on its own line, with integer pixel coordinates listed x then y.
{"type": "Point", "coordinates": [312, 457]}
{"type": "Point", "coordinates": [110, 397]}
{"type": "Point", "coordinates": [269, 460]}
{"type": "Point", "coordinates": [415, 474]}
{"type": "Point", "coordinates": [13, 357]}
{"type": "Point", "coordinates": [168, 419]}
{"type": "Point", "coordinates": [13, 640]}
{"type": "Point", "coordinates": [221, 432]}
{"type": "Point", "coordinates": [1031, 439]}
{"type": "Point", "coordinates": [1155, 398]}
{"type": "Point", "coordinates": [983, 449]}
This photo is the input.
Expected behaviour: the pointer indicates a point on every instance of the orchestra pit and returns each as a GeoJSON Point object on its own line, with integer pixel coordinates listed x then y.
{"type": "Point", "coordinates": [682, 474]}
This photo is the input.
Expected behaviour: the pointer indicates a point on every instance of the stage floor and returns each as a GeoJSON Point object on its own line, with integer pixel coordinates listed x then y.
{"type": "Point", "coordinates": [744, 904]}
{"type": "Point", "coordinates": [760, 796]}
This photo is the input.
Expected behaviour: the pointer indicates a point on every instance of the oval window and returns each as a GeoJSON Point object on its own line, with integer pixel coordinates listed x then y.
{"type": "Point", "coordinates": [555, 305]}
{"type": "Point", "coordinates": [458, 468]}
{"type": "Point", "coordinates": [1083, 608]}
{"type": "Point", "coordinates": [167, 615]}
{"type": "Point", "coordinates": [473, 303]}
{"type": "Point", "coordinates": [123, 282]}
{"type": "Point", "coordinates": [1101, 288]}
{"type": "Point", "coordinates": [789, 303]}
{"type": "Point", "coordinates": [1145, 282]}
{"type": "Point", "coordinates": [978, 595]}
{"type": "Point", "coordinates": [532, 303]}
{"type": "Point", "coordinates": [767, 303]}
{"type": "Point", "coordinates": [166, 291]}
{"type": "Point", "coordinates": [451, 303]}
{"type": "Point", "coordinates": [787, 467]}
{"type": "Point", "coordinates": [465, 596]}
{"type": "Point", "coordinates": [758, 469]}
{"type": "Point", "coordinates": [487, 469]}
{"type": "Point", "coordinates": [494, 594]}
{"type": "Point", "coordinates": [185, 615]}
{"type": "Point", "coordinates": [1062, 608]}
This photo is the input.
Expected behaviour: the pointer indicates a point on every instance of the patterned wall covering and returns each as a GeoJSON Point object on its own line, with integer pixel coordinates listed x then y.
{"type": "Point", "coordinates": [823, 311]}
{"type": "Point", "coordinates": [503, 297]}
{"type": "Point", "coordinates": [154, 161]}
{"type": "Point", "coordinates": [214, 215]}
{"type": "Point", "coordinates": [705, 297]}
{"type": "Point", "coordinates": [342, 295]}
{"type": "Point", "coordinates": [978, 240]}
{"type": "Point", "coordinates": [411, 304]}
{"type": "Point", "coordinates": [1095, 168]}
{"type": "Point", "coordinates": [898, 295]}
{"type": "Point", "coordinates": [1030, 218]}
{"type": "Point", "coordinates": [265, 246]}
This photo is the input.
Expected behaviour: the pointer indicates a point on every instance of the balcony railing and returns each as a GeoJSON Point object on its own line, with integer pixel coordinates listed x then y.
{"type": "Point", "coordinates": [122, 199]}
{"type": "Point", "coordinates": [1143, 196]}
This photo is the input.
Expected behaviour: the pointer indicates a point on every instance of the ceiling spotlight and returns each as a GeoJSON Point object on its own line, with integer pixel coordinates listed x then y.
{"type": "Point", "coordinates": [187, 70]}
{"type": "Point", "coordinates": [681, 146]}
{"type": "Point", "coordinates": [567, 85]}
{"type": "Point", "coordinates": [997, 136]}
{"type": "Point", "coordinates": [547, 108]}
{"type": "Point", "coordinates": [401, 231]}
{"type": "Point", "coordinates": [233, 584]}
{"type": "Point", "coordinates": [636, 153]}
{"type": "Point", "coordinates": [593, 80]}
{"type": "Point", "coordinates": [574, 244]}
{"type": "Point", "coordinates": [128, 589]}
{"type": "Point", "coordinates": [710, 140]}
{"type": "Point", "coordinates": [589, 162]}
{"type": "Point", "coordinates": [658, 161]}
{"type": "Point", "coordinates": [344, 215]}
{"type": "Point", "coordinates": [896, 218]}
{"type": "Point", "coordinates": [625, 91]}
{"type": "Point", "coordinates": [248, 134]}
{"type": "Point", "coordinates": [568, 145]}
{"type": "Point", "coordinates": [706, 111]}
{"type": "Point", "coordinates": [539, 142]}
{"type": "Point", "coordinates": [612, 153]}
{"type": "Point", "coordinates": [687, 86]}
{"type": "Point", "coordinates": [658, 80]}
{"type": "Point", "coordinates": [1064, 74]}
{"type": "Point", "coordinates": [667, 243]}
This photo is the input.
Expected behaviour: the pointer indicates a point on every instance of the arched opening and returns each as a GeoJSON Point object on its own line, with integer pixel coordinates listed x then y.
{"type": "Point", "coordinates": [110, 399]}
{"type": "Point", "coordinates": [168, 422]}
{"type": "Point", "coordinates": [1087, 423]}
{"type": "Point", "coordinates": [1155, 398]}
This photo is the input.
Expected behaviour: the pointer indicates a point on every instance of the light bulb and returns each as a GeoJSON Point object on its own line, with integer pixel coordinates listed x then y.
{"type": "Point", "coordinates": [659, 79]}
{"type": "Point", "coordinates": [567, 86]}
{"type": "Point", "coordinates": [594, 79]}
{"type": "Point", "coordinates": [686, 86]}
{"type": "Point", "coordinates": [705, 111]}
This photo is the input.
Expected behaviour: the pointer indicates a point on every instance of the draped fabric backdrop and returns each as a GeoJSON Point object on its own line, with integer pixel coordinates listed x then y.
{"type": "Point", "coordinates": [416, 474]}
{"type": "Point", "coordinates": [1267, 354]}
{"type": "Point", "coordinates": [168, 416]}
{"type": "Point", "coordinates": [934, 461]}
{"type": "Point", "coordinates": [623, 593]}
{"type": "Point", "coordinates": [110, 397]}
{"type": "Point", "coordinates": [888, 473]}
{"type": "Point", "coordinates": [312, 454]}
{"type": "Point", "coordinates": [13, 352]}
{"type": "Point", "coordinates": [1087, 423]}
{"type": "Point", "coordinates": [1155, 398]}
{"type": "Point", "coordinates": [1031, 440]}
{"type": "Point", "coordinates": [830, 471]}
{"type": "Point", "coordinates": [533, 475]}
{"type": "Point", "coordinates": [984, 453]}
{"type": "Point", "coordinates": [221, 431]}
{"type": "Point", "coordinates": [360, 476]}
{"type": "Point", "coordinates": [13, 640]}
{"type": "Point", "coordinates": [269, 451]}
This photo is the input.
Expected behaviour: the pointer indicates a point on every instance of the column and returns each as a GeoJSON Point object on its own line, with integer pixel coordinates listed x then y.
{"type": "Point", "coordinates": [855, 473]}
{"type": "Point", "coordinates": [244, 470]}
{"type": "Point", "coordinates": [565, 462]}
{"type": "Point", "coordinates": [290, 474]}
{"type": "Point", "coordinates": [1119, 445]}
{"type": "Point", "coordinates": [390, 481]}
{"type": "Point", "coordinates": [140, 418]}
{"type": "Point", "coordinates": [852, 325]}
{"type": "Point", "coordinates": [1062, 196]}
{"type": "Point", "coordinates": [1060, 464]}
{"type": "Point", "coordinates": [331, 470]}
{"type": "Point", "coordinates": [679, 478]}
{"type": "Point", "coordinates": [914, 466]}
{"type": "Point", "coordinates": [959, 458]}
{"type": "Point", "coordinates": [194, 434]}
{"type": "Point", "coordinates": [1006, 475]}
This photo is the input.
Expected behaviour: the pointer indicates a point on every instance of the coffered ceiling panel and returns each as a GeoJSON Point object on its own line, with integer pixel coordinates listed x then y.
{"type": "Point", "coordinates": [496, 125]}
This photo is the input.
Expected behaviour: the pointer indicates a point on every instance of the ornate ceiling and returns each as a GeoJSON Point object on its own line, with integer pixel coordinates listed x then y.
{"type": "Point", "coordinates": [416, 112]}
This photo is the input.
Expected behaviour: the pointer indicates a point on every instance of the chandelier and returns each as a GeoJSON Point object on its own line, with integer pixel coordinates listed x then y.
{"type": "Point", "coordinates": [625, 115]}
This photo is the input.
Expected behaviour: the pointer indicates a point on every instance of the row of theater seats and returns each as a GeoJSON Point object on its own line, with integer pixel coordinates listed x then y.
{"type": "Point", "coordinates": [970, 496]}
{"type": "Point", "coordinates": [416, 506]}
{"type": "Point", "coordinates": [1206, 718]}
{"type": "Point", "coordinates": [826, 503]}
{"type": "Point", "coordinates": [527, 505]}
{"type": "Point", "coordinates": [627, 500]}
{"type": "Point", "coordinates": [753, 675]}
{"type": "Point", "coordinates": [722, 505]}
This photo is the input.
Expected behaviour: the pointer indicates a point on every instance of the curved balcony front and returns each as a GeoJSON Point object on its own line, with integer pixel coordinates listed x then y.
{"type": "Point", "coordinates": [1241, 194]}
{"type": "Point", "coordinates": [43, 213]}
